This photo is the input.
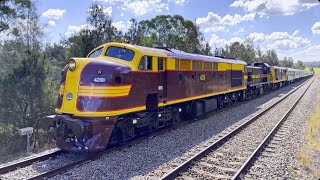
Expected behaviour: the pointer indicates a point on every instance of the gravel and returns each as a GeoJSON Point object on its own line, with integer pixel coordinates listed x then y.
{"type": "Point", "coordinates": [41, 167]}
{"type": "Point", "coordinates": [282, 162]}
{"type": "Point", "coordinates": [31, 156]}
{"type": "Point", "coordinates": [228, 158]}
{"type": "Point", "coordinates": [152, 156]}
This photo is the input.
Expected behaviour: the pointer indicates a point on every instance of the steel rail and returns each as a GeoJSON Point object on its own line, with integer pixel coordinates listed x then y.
{"type": "Point", "coordinates": [28, 162]}
{"type": "Point", "coordinates": [184, 166]}
{"type": "Point", "coordinates": [265, 141]}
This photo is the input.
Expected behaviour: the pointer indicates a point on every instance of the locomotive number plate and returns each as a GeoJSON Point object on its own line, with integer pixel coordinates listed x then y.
{"type": "Point", "coordinates": [99, 79]}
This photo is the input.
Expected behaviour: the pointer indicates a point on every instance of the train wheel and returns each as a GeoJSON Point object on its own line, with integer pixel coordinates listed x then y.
{"type": "Point", "coordinates": [153, 123]}
{"type": "Point", "coordinates": [116, 137]}
{"type": "Point", "coordinates": [221, 104]}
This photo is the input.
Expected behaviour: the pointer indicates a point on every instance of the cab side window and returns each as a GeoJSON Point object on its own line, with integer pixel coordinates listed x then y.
{"type": "Point", "coordinates": [145, 63]}
{"type": "Point", "coordinates": [160, 64]}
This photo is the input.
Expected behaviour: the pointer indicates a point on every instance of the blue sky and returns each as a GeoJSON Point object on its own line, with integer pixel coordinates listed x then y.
{"type": "Point", "coordinates": [292, 27]}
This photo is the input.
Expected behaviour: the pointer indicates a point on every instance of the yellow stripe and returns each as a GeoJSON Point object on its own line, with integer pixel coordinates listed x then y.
{"type": "Point", "coordinates": [140, 108]}
{"type": "Point", "coordinates": [104, 114]}
{"type": "Point", "coordinates": [106, 91]}
{"type": "Point", "coordinates": [255, 76]}
{"type": "Point", "coordinates": [201, 96]}
{"type": "Point", "coordinates": [105, 88]}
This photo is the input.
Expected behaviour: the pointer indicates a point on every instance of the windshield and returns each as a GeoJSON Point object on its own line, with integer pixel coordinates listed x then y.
{"type": "Point", "coordinates": [96, 53]}
{"type": "Point", "coordinates": [120, 53]}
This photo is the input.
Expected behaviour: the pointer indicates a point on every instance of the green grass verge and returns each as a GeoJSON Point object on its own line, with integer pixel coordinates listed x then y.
{"type": "Point", "coordinates": [316, 70]}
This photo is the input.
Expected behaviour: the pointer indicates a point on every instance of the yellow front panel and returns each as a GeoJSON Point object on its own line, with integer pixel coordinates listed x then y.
{"type": "Point", "coordinates": [70, 87]}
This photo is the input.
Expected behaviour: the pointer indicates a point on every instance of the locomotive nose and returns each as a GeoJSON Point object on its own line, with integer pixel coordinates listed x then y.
{"type": "Point", "coordinates": [86, 83]}
{"type": "Point", "coordinates": [102, 73]}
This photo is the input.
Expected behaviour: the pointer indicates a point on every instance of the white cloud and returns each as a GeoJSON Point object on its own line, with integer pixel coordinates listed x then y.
{"type": "Point", "coordinates": [111, 1]}
{"type": "Point", "coordinates": [215, 29]}
{"type": "Point", "coordinates": [122, 26]}
{"type": "Point", "coordinates": [309, 53]}
{"type": "Point", "coordinates": [216, 41]}
{"type": "Point", "coordinates": [141, 7]}
{"type": "Point", "coordinates": [108, 10]}
{"type": "Point", "coordinates": [255, 37]}
{"type": "Point", "coordinates": [122, 14]}
{"type": "Point", "coordinates": [52, 23]}
{"type": "Point", "coordinates": [213, 22]}
{"type": "Point", "coordinates": [54, 13]}
{"type": "Point", "coordinates": [105, 10]}
{"type": "Point", "coordinates": [275, 7]}
{"type": "Point", "coordinates": [76, 29]}
{"type": "Point", "coordinates": [281, 41]}
{"type": "Point", "coordinates": [226, 20]}
{"type": "Point", "coordinates": [179, 2]}
{"type": "Point", "coordinates": [285, 41]}
{"type": "Point", "coordinates": [316, 28]}
{"type": "Point", "coordinates": [119, 25]}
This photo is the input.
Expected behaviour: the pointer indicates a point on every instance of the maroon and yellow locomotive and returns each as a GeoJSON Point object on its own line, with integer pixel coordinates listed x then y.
{"type": "Point", "coordinates": [121, 90]}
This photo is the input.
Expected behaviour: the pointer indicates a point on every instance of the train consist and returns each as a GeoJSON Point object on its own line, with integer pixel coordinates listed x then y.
{"type": "Point", "coordinates": [121, 91]}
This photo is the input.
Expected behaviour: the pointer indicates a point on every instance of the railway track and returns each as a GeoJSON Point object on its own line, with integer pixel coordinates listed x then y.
{"type": "Point", "coordinates": [92, 157]}
{"type": "Point", "coordinates": [221, 160]}
{"type": "Point", "coordinates": [29, 162]}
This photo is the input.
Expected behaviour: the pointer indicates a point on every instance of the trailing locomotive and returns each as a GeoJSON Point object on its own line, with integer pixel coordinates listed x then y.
{"type": "Point", "coordinates": [121, 90]}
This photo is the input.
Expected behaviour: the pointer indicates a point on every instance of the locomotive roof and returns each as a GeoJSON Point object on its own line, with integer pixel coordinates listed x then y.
{"type": "Point", "coordinates": [291, 69]}
{"type": "Point", "coordinates": [174, 53]}
{"type": "Point", "coordinates": [278, 67]}
{"type": "Point", "coordinates": [254, 67]}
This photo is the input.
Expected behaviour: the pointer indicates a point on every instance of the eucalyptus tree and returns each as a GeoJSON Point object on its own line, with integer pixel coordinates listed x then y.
{"type": "Point", "coordinates": [133, 34]}
{"type": "Point", "coordinates": [99, 30]}
{"type": "Point", "coordinates": [26, 97]}
{"type": "Point", "coordinates": [299, 65]}
{"type": "Point", "coordinates": [171, 31]}
{"type": "Point", "coordinates": [10, 10]}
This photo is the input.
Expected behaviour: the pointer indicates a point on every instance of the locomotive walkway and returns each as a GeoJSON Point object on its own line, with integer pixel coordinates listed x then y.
{"type": "Point", "coordinates": [232, 155]}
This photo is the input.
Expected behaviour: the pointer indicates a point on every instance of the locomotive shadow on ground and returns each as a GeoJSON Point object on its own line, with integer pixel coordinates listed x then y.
{"type": "Point", "coordinates": [149, 154]}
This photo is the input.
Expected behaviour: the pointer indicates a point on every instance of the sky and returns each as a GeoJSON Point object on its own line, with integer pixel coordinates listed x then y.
{"type": "Point", "coordinates": [291, 27]}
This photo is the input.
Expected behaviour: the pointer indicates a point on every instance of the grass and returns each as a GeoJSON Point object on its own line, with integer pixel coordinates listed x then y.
{"type": "Point", "coordinates": [316, 70]}
{"type": "Point", "coordinates": [312, 142]}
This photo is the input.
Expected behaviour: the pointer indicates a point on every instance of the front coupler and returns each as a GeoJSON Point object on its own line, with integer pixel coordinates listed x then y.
{"type": "Point", "coordinates": [78, 135]}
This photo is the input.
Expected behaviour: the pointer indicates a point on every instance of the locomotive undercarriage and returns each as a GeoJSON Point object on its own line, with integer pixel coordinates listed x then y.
{"type": "Point", "coordinates": [136, 124]}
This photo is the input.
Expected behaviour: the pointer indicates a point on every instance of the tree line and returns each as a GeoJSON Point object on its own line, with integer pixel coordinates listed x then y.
{"type": "Point", "coordinates": [30, 70]}
{"type": "Point", "coordinates": [250, 54]}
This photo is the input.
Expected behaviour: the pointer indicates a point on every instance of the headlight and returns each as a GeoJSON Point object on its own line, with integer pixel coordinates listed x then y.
{"type": "Point", "coordinates": [72, 65]}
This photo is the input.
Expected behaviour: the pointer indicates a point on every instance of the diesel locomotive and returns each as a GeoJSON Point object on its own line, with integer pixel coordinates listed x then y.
{"type": "Point", "coordinates": [120, 91]}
